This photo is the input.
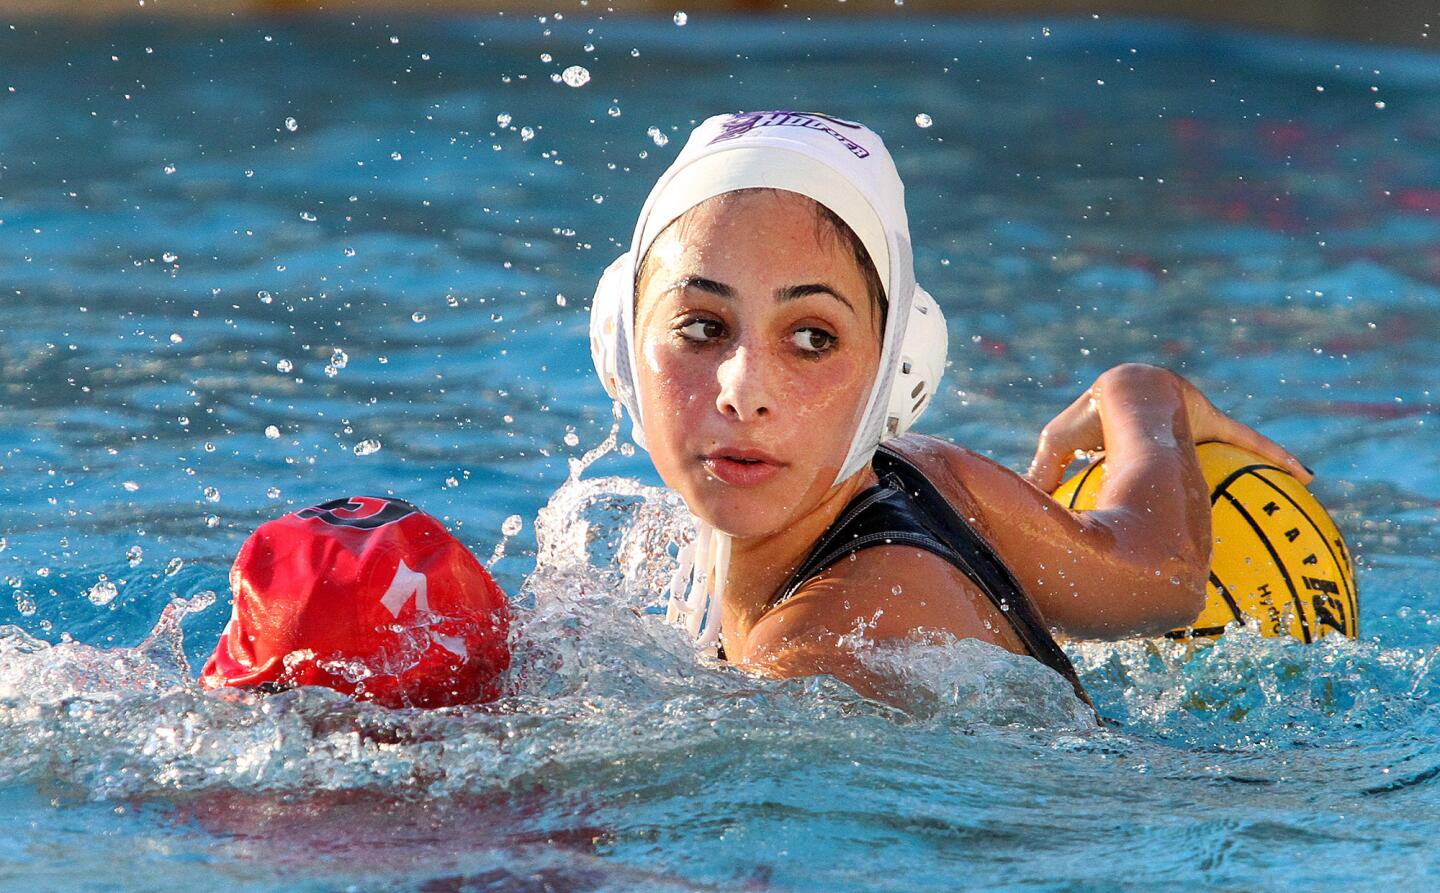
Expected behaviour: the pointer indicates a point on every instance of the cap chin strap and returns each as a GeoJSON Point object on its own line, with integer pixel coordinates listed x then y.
{"type": "Point", "coordinates": [698, 585]}
{"type": "Point", "coordinates": [697, 588]}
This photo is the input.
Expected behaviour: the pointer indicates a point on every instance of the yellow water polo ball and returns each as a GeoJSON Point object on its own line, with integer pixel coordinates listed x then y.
{"type": "Point", "coordinates": [1279, 562]}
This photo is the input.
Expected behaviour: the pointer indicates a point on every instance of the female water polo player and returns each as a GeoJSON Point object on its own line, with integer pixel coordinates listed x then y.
{"type": "Point", "coordinates": [768, 339]}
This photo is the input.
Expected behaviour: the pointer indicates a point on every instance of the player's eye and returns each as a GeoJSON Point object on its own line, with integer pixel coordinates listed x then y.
{"type": "Point", "coordinates": [813, 340]}
{"type": "Point", "coordinates": [702, 330]}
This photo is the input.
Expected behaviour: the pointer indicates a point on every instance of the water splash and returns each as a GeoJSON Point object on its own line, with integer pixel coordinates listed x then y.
{"type": "Point", "coordinates": [575, 76]}
{"type": "Point", "coordinates": [592, 654]}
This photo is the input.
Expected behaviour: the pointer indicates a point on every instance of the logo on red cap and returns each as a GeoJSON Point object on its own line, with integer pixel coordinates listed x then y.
{"type": "Point", "coordinates": [364, 512]}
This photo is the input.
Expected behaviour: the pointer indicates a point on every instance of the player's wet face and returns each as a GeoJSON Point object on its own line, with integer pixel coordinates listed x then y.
{"type": "Point", "coordinates": [758, 339]}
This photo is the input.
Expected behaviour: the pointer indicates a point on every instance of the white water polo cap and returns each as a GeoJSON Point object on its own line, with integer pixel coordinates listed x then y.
{"type": "Point", "coordinates": [843, 166]}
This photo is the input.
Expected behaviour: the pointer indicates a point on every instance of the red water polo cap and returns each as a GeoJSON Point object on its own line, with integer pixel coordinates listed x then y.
{"type": "Point", "coordinates": [369, 596]}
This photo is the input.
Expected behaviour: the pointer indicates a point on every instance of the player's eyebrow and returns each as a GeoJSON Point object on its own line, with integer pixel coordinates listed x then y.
{"type": "Point", "coordinates": [787, 293]}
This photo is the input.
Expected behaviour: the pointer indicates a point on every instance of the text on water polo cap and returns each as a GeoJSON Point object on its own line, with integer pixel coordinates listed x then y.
{"type": "Point", "coordinates": [743, 123]}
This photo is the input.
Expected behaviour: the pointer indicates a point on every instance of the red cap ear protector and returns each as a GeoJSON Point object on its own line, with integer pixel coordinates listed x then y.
{"type": "Point", "coordinates": [369, 596]}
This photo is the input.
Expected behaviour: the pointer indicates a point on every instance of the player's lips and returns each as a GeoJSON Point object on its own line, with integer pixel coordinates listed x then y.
{"type": "Point", "coordinates": [740, 467]}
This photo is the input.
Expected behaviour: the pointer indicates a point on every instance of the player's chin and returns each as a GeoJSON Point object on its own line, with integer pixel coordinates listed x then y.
{"type": "Point", "coordinates": [744, 514]}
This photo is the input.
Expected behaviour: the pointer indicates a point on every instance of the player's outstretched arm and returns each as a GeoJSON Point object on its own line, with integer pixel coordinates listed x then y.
{"type": "Point", "coordinates": [1137, 564]}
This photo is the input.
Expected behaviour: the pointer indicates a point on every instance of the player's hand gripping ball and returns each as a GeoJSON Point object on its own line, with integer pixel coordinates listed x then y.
{"type": "Point", "coordinates": [1279, 561]}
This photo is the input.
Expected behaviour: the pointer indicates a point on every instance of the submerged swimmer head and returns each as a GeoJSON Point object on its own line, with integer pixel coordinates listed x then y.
{"type": "Point", "coordinates": [368, 596]}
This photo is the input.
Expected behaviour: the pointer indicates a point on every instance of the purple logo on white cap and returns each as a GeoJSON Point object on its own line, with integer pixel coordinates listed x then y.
{"type": "Point", "coordinates": [744, 122]}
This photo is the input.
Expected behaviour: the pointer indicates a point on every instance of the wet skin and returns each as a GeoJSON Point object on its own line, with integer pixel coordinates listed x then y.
{"type": "Point", "coordinates": [757, 345]}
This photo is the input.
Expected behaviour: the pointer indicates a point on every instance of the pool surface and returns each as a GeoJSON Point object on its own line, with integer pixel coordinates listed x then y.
{"type": "Point", "coordinates": [248, 267]}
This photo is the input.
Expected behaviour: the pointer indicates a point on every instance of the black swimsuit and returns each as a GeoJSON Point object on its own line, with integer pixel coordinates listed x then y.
{"type": "Point", "coordinates": [906, 509]}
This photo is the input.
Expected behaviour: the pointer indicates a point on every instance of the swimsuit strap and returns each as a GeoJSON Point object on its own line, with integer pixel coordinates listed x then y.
{"type": "Point", "coordinates": [906, 509]}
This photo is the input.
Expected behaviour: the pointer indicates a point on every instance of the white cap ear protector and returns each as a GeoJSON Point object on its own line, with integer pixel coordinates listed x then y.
{"type": "Point", "coordinates": [839, 164]}
{"type": "Point", "coordinates": [609, 340]}
{"type": "Point", "coordinates": [921, 364]}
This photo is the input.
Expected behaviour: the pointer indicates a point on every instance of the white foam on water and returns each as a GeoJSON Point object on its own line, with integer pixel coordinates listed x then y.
{"type": "Point", "coordinates": [600, 687]}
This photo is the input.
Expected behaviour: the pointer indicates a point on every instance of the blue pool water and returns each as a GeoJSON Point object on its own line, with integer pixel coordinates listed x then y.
{"type": "Point", "coordinates": [235, 257]}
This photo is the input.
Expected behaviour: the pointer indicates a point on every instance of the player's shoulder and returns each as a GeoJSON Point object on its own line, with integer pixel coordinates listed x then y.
{"type": "Point", "coordinates": [974, 484]}
{"type": "Point", "coordinates": [880, 593]}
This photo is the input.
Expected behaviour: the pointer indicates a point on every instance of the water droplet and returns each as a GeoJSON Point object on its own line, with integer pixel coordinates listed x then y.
{"type": "Point", "coordinates": [292, 125]}
{"type": "Point", "coordinates": [130, 486]}
{"type": "Point", "coordinates": [174, 566]}
{"type": "Point", "coordinates": [169, 169]}
{"type": "Point", "coordinates": [1380, 105]}
{"type": "Point", "coordinates": [503, 119]}
{"type": "Point", "coordinates": [264, 296]}
{"type": "Point", "coordinates": [103, 592]}
{"type": "Point", "coordinates": [634, 53]}
{"type": "Point", "coordinates": [212, 494]}
{"type": "Point", "coordinates": [575, 76]}
{"type": "Point", "coordinates": [560, 300]}
{"type": "Point", "coordinates": [285, 366]}
{"type": "Point", "coordinates": [1045, 32]}
{"type": "Point", "coordinates": [417, 316]}
{"type": "Point", "coordinates": [339, 359]}
{"type": "Point", "coordinates": [366, 447]}
{"type": "Point", "coordinates": [209, 447]}
{"type": "Point", "coordinates": [527, 134]}
{"type": "Point", "coordinates": [451, 482]}
{"type": "Point", "coordinates": [308, 217]}
{"type": "Point", "coordinates": [176, 338]}
{"type": "Point", "coordinates": [680, 19]}
{"type": "Point", "coordinates": [512, 525]}
{"type": "Point", "coordinates": [134, 555]}
{"type": "Point", "coordinates": [4, 544]}
{"type": "Point", "coordinates": [396, 156]}
{"type": "Point", "coordinates": [923, 120]}
{"type": "Point", "coordinates": [273, 492]}
{"type": "Point", "coordinates": [349, 252]}
{"type": "Point", "coordinates": [212, 521]}
{"type": "Point", "coordinates": [657, 136]}
{"type": "Point", "coordinates": [598, 199]}
{"type": "Point", "coordinates": [571, 438]}
{"type": "Point", "coordinates": [613, 111]}
{"type": "Point", "coordinates": [627, 450]}
{"type": "Point", "coordinates": [169, 257]}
